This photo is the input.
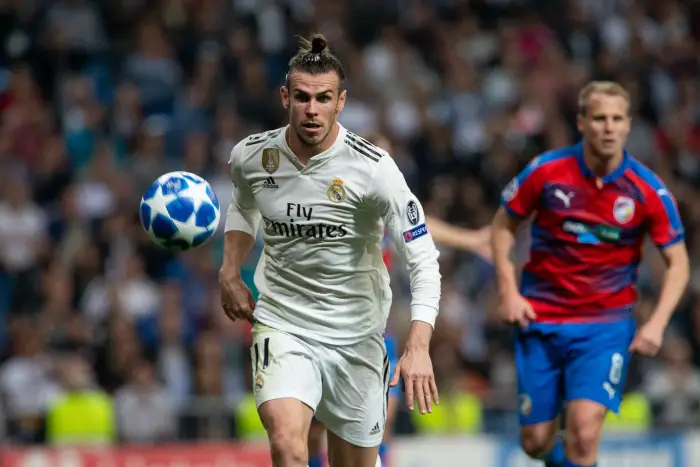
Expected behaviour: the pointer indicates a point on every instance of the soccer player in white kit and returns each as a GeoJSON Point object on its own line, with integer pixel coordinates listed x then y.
{"type": "Point", "coordinates": [324, 196]}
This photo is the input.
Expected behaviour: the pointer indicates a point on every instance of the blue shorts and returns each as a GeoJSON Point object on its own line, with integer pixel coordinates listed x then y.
{"type": "Point", "coordinates": [563, 362]}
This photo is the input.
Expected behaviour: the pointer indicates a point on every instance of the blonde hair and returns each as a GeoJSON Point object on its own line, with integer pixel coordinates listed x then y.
{"type": "Point", "coordinates": [609, 88]}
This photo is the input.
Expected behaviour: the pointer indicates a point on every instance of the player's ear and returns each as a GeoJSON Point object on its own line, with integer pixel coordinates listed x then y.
{"type": "Point", "coordinates": [284, 95]}
{"type": "Point", "coordinates": [580, 120]}
{"type": "Point", "coordinates": [341, 100]}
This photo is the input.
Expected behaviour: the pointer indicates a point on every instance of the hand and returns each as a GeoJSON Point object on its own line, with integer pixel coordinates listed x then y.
{"type": "Point", "coordinates": [417, 370]}
{"type": "Point", "coordinates": [515, 309]}
{"type": "Point", "coordinates": [648, 339]}
{"type": "Point", "coordinates": [236, 298]}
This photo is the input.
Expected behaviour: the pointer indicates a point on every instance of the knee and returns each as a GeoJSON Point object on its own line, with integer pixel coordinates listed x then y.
{"type": "Point", "coordinates": [583, 431]}
{"type": "Point", "coordinates": [288, 448]}
{"type": "Point", "coordinates": [537, 441]}
{"type": "Point", "coordinates": [582, 440]}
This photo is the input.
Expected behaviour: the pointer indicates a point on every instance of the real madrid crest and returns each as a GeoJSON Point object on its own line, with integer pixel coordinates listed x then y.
{"type": "Point", "coordinates": [623, 209]}
{"type": "Point", "coordinates": [270, 160]}
{"type": "Point", "coordinates": [259, 383]}
{"type": "Point", "coordinates": [336, 192]}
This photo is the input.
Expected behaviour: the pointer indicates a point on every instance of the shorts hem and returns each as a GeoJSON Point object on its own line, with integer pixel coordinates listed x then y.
{"type": "Point", "coordinates": [359, 443]}
{"type": "Point", "coordinates": [284, 396]}
{"type": "Point", "coordinates": [613, 406]}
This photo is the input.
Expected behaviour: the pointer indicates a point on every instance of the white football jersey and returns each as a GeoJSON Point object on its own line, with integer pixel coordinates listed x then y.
{"type": "Point", "coordinates": [321, 273]}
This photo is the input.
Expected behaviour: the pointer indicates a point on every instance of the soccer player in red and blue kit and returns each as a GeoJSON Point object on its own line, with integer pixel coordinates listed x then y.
{"type": "Point", "coordinates": [591, 206]}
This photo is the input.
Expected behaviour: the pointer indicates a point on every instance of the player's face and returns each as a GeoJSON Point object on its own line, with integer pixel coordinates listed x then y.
{"type": "Point", "coordinates": [606, 124]}
{"type": "Point", "coordinates": [313, 103]}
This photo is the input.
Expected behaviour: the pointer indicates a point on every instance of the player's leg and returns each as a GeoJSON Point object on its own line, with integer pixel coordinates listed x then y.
{"type": "Point", "coordinates": [354, 403]}
{"type": "Point", "coordinates": [391, 412]}
{"type": "Point", "coordinates": [287, 388]}
{"type": "Point", "coordinates": [344, 454]}
{"type": "Point", "coordinates": [316, 433]}
{"type": "Point", "coordinates": [595, 375]}
{"type": "Point", "coordinates": [539, 370]}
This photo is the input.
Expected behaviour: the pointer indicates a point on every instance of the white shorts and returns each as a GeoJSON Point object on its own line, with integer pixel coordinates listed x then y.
{"type": "Point", "coordinates": [346, 386]}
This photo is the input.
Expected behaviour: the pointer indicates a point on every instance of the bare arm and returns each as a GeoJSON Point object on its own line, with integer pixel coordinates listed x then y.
{"type": "Point", "coordinates": [237, 247]}
{"type": "Point", "coordinates": [461, 238]}
{"type": "Point", "coordinates": [503, 229]}
{"type": "Point", "coordinates": [674, 282]}
{"type": "Point", "coordinates": [514, 308]}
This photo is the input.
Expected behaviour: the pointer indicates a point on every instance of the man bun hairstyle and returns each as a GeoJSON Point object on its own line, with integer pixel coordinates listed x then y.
{"type": "Point", "coordinates": [318, 44]}
{"type": "Point", "coordinates": [315, 58]}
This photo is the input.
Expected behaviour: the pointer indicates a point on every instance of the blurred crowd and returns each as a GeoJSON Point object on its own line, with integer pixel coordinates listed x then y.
{"type": "Point", "coordinates": [98, 98]}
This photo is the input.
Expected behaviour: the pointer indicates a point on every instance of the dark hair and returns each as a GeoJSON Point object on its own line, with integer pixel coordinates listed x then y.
{"type": "Point", "coordinates": [314, 57]}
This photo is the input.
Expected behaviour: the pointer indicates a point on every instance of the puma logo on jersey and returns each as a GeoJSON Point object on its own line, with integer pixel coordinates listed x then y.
{"type": "Point", "coordinates": [564, 197]}
{"type": "Point", "coordinates": [270, 183]}
{"type": "Point", "coordinates": [609, 389]}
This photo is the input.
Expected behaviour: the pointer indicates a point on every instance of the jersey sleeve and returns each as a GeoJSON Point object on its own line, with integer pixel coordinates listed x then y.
{"type": "Point", "coordinates": [405, 223]}
{"type": "Point", "coordinates": [520, 196]}
{"type": "Point", "coordinates": [243, 213]}
{"type": "Point", "coordinates": [664, 220]}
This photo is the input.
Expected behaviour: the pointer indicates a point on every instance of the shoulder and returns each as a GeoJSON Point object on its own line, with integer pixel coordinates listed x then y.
{"type": "Point", "coordinates": [548, 162]}
{"type": "Point", "coordinates": [364, 152]}
{"type": "Point", "coordinates": [646, 179]}
{"type": "Point", "coordinates": [251, 146]}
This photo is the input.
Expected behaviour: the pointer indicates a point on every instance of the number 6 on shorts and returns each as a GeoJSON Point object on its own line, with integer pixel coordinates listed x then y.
{"type": "Point", "coordinates": [617, 363]}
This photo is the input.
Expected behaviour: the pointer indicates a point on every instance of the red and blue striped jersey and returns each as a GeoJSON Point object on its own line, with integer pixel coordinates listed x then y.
{"type": "Point", "coordinates": [587, 237]}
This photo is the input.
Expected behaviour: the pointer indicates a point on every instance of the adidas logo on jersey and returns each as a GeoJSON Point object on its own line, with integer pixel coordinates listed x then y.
{"type": "Point", "coordinates": [376, 430]}
{"type": "Point", "coordinates": [270, 183]}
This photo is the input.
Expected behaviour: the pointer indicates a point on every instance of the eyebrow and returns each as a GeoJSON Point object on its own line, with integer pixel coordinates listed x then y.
{"type": "Point", "coordinates": [299, 91]}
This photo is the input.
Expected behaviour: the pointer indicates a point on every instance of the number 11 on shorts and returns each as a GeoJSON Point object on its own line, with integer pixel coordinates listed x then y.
{"type": "Point", "coordinates": [266, 355]}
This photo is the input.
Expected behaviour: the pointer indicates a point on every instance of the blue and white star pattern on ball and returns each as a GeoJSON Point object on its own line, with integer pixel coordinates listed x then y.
{"type": "Point", "coordinates": [180, 211]}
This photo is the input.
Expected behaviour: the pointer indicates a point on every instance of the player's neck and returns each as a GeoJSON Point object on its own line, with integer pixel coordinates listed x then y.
{"type": "Point", "coordinates": [600, 166]}
{"type": "Point", "coordinates": [304, 152]}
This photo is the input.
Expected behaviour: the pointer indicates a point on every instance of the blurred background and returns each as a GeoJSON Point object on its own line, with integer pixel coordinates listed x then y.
{"type": "Point", "coordinates": [106, 339]}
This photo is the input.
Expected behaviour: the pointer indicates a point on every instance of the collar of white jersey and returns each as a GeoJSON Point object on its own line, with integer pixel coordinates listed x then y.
{"type": "Point", "coordinates": [331, 151]}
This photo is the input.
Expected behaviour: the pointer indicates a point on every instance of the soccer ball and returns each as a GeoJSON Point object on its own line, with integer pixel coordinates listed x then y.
{"type": "Point", "coordinates": [180, 211]}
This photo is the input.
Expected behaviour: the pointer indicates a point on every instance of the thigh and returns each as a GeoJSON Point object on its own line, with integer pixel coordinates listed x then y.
{"type": "Point", "coordinates": [355, 389]}
{"type": "Point", "coordinates": [597, 362]}
{"type": "Point", "coordinates": [344, 454]}
{"type": "Point", "coordinates": [287, 421]}
{"type": "Point", "coordinates": [538, 364]}
{"type": "Point", "coordinates": [283, 367]}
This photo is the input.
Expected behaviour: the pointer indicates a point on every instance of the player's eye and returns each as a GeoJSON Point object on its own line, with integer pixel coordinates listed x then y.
{"type": "Point", "coordinates": [302, 97]}
{"type": "Point", "coordinates": [325, 98]}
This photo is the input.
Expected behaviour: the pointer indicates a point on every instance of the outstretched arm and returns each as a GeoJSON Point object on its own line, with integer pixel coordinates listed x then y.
{"type": "Point", "coordinates": [475, 241]}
